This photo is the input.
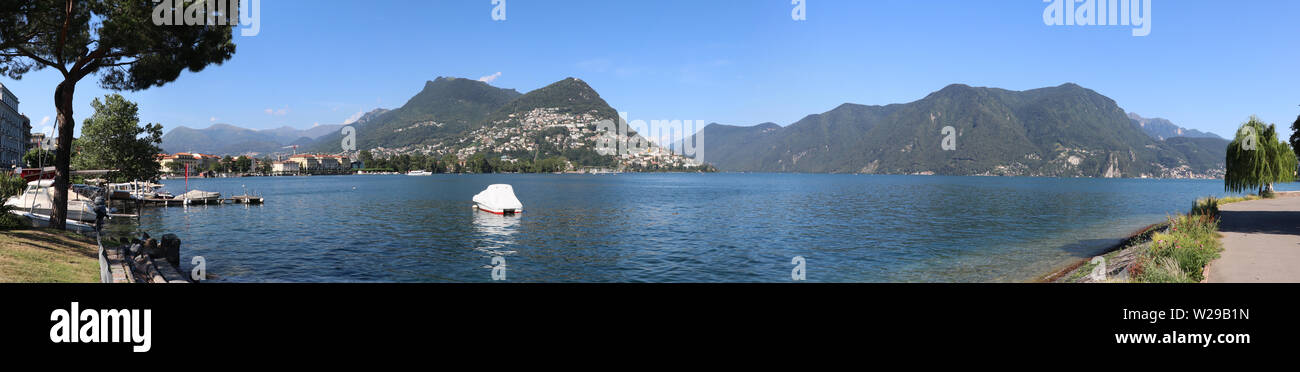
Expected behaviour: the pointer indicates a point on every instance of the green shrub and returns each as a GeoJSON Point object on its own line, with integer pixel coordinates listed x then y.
{"type": "Point", "coordinates": [10, 221]}
{"type": "Point", "coordinates": [11, 184]}
{"type": "Point", "coordinates": [1164, 270]}
{"type": "Point", "coordinates": [1206, 207]}
{"type": "Point", "coordinates": [1191, 243]}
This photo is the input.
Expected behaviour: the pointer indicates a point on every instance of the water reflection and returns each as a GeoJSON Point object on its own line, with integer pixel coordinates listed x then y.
{"type": "Point", "coordinates": [665, 227]}
{"type": "Point", "coordinates": [494, 232]}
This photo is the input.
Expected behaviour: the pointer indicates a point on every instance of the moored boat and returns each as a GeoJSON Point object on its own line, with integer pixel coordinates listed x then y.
{"type": "Point", "coordinates": [38, 199]}
{"type": "Point", "coordinates": [43, 220]}
{"type": "Point", "coordinates": [498, 199]}
{"type": "Point", "coordinates": [419, 173]}
{"type": "Point", "coordinates": [200, 197]}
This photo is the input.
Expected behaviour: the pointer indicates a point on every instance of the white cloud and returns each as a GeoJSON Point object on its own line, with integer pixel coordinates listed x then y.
{"type": "Point", "coordinates": [354, 117]}
{"type": "Point", "coordinates": [490, 78]}
{"type": "Point", "coordinates": [213, 119]}
{"type": "Point", "coordinates": [43, 128]}
{"type": "Point", "coordinates": [281, 112]}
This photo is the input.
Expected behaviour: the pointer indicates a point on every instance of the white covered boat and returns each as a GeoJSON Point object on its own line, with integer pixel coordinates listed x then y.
{"type": "Point", "coordinates": [200, 197]}
{"type": "Point", "coordinates": [499, 199]}
{"type": "Point", "coordinates": [38, 198]}
{"type": "Point", "coordinates": [419, 173]}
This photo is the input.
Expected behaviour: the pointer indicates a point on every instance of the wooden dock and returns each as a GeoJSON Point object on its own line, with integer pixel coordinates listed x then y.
{"type": "Point", "coordinates": [241, 199]}
{"type": "Point", "coordinates": [245, 199]}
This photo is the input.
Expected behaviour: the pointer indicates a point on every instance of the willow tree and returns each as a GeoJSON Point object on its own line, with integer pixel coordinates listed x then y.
{"type": "Point", "coordinates": [1295, 135]}
{"type": "Point", "coordinates": [116, 40]}
{"type": "Point", "coordinates": [1257, 159]}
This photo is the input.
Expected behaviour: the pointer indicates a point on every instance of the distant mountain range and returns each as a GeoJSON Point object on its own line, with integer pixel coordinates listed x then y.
{"type": "Point", "coordinates": [226, 139]}
{"type": "Point", "coordinates": [1063, 131]}
{"type": "Point", "coordinates": [1067, 131]}
{"type": "Point", "coordinates": [1161, 129]}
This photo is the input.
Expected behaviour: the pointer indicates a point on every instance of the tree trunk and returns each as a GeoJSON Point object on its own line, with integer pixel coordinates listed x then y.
{"type": "Point", "coordinates": [63, 156]}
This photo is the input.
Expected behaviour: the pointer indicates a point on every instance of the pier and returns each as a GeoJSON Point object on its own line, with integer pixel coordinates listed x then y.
{"type": "Point", "coordinates": [163, 202]}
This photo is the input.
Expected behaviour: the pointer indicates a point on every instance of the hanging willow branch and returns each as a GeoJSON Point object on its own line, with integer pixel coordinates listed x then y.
{"type": "Point", "coordinates": [1257, 158]}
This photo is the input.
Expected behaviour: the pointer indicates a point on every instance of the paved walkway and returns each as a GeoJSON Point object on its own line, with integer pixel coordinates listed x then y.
{"type": "Point", "coordinates": [1261, 241]}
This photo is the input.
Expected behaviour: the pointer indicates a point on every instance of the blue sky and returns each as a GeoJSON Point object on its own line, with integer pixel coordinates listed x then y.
{"type": "Point", "coordinates": [1206, 65]}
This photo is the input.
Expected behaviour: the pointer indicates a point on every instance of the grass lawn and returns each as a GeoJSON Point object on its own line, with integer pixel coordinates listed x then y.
{"type": "Point", "coordinates": [47, 256]}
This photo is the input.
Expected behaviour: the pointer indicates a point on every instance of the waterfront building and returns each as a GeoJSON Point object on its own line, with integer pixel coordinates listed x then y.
{"type": "Point", "coordinates": [316, 162]}
{"type": "Point", "coordinates": [284, 167]}
{"type": "Point", "coordinates": [306, 161]}
{"type": "Point", "coordinates": [15, 130]}
{"type": "Point", "coordinates": [197, 162]}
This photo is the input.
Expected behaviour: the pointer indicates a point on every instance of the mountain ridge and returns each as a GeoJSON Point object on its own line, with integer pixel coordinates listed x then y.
{"type": "Point", "coordinates": [474, 121]}
{"type": "Point", "coordinates": [1066, 130]}
{"type": "Point", "coordinates": [1160, 128]}
{"type": "Point", "coordinates": [444, 107]}
{"type": "Point", "coordinates": [228, 139]}
{"type": "Point", "coordinates": [1060, 131]}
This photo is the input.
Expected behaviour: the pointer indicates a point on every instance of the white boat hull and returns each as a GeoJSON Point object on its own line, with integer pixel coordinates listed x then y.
{"type": "Point", "coordinates": [197, 195]}
{"type": "Point", "coordinates": [498, 199]}
{"type": "Point", "coordinates": [37, 200]}
{"type": "Point", "coordinates": [74, 212]}
{"type": "Point", "coordinates": [43, 220]}
{"type": "Point", "coordinates": [501, 211]}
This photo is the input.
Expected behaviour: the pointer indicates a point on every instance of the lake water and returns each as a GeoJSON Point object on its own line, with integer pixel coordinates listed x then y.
{"type": "Point", "coordinates": [664, 227]}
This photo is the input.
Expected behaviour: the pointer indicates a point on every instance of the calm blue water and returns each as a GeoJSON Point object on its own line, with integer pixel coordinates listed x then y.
{"type": "Point", "coordinates": [665, 227]}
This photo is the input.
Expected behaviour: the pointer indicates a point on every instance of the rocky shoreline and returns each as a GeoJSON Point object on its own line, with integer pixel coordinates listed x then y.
{"type": "Point", "coordinates": [1121, 257]}
{"type": "Point", "coordinates": [1118, 259]}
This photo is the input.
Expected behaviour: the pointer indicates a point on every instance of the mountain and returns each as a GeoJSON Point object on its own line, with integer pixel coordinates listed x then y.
{"type": "Point", "coordinates": [570, 96]}
{"type": "Point", "coordinates": [731, 151]}
{"type": "Point", "coordinates": [226, 139]}
{"type": "Point", "coordinates": [556, 120]}
{"type": "Point", "coordinates": [219, 139]}
{"type": "Point", "coordinates": [1199, 152]}
{"type": "Point", "coordinates": [445, 108]}
{"type": "Point", "coordinates": [287, 134]}
{"type": "Point", "coordinates": [368, 117]}
{"type": "Point", "coordinates": [464, 118]}
{"type": "Point", "coordinates": [1063, 131]}
{"type": "Point", "coordinates": [1161, 129]}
